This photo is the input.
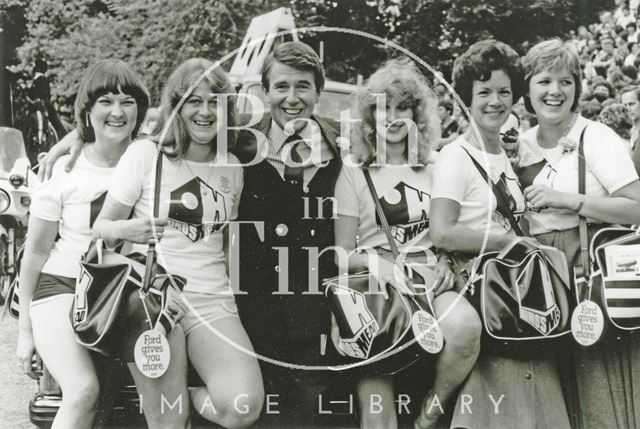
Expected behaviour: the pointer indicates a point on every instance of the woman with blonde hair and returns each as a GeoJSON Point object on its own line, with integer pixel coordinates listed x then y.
{"type": "Point", "coordinates": [399, 124]}
{"type": "Point", "coordinates": [606, 373]}
{"type": "Point", "coordinates": [199, 196]}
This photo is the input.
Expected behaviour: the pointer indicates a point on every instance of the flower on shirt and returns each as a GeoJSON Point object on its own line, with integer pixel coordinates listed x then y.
{"type": "Point", "coordinates": [567, 144]}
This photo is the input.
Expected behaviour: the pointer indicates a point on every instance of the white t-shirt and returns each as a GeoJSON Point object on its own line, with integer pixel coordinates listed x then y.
{"type": "Point", "coordinates": [405, 197]}
{"type": "Point", "coordinates": [456, 177]}
{"type": "Point", "coordinates": [608, 168]}
{"type": "Point", "coordinates": [73, 199]}
{"type": "Point", "coordinates": [197, 208]}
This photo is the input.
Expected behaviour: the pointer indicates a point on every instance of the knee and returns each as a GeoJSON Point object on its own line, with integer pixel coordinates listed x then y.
{"type": "Point", "coordinates": [164, 414]}
{"type": "Point", "coordinates": [462, 329]}
{"type": "Point", "coordinates": [240, 411]}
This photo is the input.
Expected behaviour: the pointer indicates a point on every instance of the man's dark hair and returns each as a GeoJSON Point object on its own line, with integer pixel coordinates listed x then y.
{"type": "Point", "coordinates": [298, 55]}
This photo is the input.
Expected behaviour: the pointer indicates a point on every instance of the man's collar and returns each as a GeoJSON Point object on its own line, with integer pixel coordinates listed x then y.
{"type": "Point", "coordinates": [277, 135]}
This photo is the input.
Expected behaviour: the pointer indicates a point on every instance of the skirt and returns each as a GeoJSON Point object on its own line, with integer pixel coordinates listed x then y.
{"type": "Point", "coordinates": [607, 374]}
{"type": "Point", "coordinates": [504, 392]}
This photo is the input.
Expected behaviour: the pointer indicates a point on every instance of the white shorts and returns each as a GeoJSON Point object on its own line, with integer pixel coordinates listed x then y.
{"type": "Point", "coordinates": [207, 308]}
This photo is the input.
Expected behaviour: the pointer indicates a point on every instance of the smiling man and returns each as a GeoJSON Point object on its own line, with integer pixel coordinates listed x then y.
{"type": "Point", "coordinates": [288, 196]}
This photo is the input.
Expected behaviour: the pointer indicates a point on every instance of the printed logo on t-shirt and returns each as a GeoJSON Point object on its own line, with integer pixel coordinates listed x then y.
{"type": "Point", "coordinates": [191, 204]}
{"type": "Point", "coordinates": [95, 207]}
{"type": "Point", "coordinates": [407, 211]}
{"type": "Point", "coordinates": [508, 187]}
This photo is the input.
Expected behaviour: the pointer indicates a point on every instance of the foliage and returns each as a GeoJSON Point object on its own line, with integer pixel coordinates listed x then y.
{"type": "Point", "coordinates": [153, 36]}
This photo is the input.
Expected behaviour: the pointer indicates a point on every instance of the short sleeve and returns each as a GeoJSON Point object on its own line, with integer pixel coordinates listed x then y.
{"type": "Point", "coordinates": [133, 168]}
{"type": "Point", "coordinates": [449, 180]}
{"type": "Point", "coordinates": [346, 193]}
{"type": "Point", "coordinates": [608, 159]}
{"type": "Point", "coordinates": [47, 196]}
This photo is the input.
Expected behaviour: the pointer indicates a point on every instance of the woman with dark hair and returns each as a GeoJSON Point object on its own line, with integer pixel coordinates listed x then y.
{"type": "Point", "coordinates": [606, 372]}
{"type": "Point", "coordinates": [466, 218]}
{"type": "Point", "coordinates": [410, 126]}
{"type": "Point", "coordinates": [109, 109]}
{"type": "Point", "coordinates": [200, 189]}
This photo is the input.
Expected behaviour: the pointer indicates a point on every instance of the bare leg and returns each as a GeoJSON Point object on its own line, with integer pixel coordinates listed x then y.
{"type": "Point", "coordinates": [234, 393]}
{"type": "Point", "coordinates": [165, 400]}
{"type": "Point", "coordinates": [376, 402]}
{"type": "Point", "coordinates": [69, 363]}
{"type": "Point", "coordinates": [461, 328]}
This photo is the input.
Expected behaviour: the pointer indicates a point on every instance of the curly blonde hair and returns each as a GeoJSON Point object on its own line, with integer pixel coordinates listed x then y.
{"type": "Point", "coordinates": [401, 81]}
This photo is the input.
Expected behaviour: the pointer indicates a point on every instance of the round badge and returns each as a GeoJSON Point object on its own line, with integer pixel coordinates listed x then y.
{"type": "Point", "coordinates": [427, 331]}
{"type": "Point", "coordinates": [152, 353]}
{"type": "Point", "coordinates": [587, 322]}
{"type": "Point", "coordinates": [189, 200]}
{"type": "Point", "coordinates": [393, 197]}
{"type": "Point", "coordinates": [282, 230]}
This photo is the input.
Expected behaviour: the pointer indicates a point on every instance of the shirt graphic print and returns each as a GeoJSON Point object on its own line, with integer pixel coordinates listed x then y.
{"type": "Point", "coordinates": [193, 202]}
{"type": "Point", "coordinates": [407, 211]}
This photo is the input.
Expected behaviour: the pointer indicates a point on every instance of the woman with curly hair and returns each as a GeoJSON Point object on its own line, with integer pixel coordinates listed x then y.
{"type": "Point", "coordinates": [399, 124]}
{"type": "Point", "coordinates": [503, 390]}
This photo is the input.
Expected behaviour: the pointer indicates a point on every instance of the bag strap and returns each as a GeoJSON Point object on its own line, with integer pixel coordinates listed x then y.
{"type": "Point", "coordinates": [583, 229]}
{"type": "Point", "coordinates": [149, 268]}
{"type": "Point", "coordinates": [383, 218]}
{"type": "Point", "coordinates": [500, 197]}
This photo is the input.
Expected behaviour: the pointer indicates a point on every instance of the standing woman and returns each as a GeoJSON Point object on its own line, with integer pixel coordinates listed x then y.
{"type": "Point", "coordinates": [607, 373]}
{"type": "Point", "coordinates": [198, 197]}
{"type": "Point", "coordinates": [109, 109]}
{"type": "Point", "coordinates": [506, 391]}
{"type": "Point", "coordinates": [403, 185]}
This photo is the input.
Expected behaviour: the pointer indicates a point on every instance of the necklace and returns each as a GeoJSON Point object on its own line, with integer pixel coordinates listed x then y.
{"type": "Point", "coordinates": [195, 176]}
{"type": "Point", "coordinates": [574, 118]}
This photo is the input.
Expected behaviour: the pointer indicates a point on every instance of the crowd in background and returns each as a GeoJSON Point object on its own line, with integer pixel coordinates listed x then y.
{"type": "Point", "coordinates": [609, 56]}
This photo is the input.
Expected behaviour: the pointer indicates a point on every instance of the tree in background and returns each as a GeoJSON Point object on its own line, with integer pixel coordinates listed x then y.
{"type": "Point", "coordinates": [153, 36]}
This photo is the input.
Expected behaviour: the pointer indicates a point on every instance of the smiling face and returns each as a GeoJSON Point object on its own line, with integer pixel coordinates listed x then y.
{"type": "Point", "coordinates": [199, 114]}
{"type": "Point", "coordinates": [292, 94]}
{"type": "Point", "coordinates": [113, 117]}
{"type": "Point", "coordinates": [552, 94]}
{"type": "Point", "coordinates": [399, 117]}
{"type": "Point", "coordinates": [491, 102]}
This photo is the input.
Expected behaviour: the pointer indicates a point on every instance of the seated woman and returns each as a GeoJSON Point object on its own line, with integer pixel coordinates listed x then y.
{"type": "Point", "coordinates": [109, 109]}
{"type": "Point", "coordinates": [198, 198]}
{"type": "Point", "coordinates": [467, 219]}
{"type": "Point", "coordinates": [410, 125]}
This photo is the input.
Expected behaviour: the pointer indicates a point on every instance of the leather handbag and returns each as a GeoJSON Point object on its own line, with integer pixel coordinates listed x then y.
{"type": "Point", "coordinates": [118, 297]}
{"type": "Point", "coordinates": [370, 330]}
{"type": "Point", "coordinates": [522, 293]}
{"type": "Point", "coordinates": [609, 272]}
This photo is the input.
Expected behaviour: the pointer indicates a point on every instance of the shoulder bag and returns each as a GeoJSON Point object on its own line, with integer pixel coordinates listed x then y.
{"type": "Point", "coordinates": [610, 266]}
{"type": "Point", "coordinates": [522, 293]}
{"type": "Point", "coordinates": [387, 335]}
{"type": "Point", "coordinates": [119, 297]}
